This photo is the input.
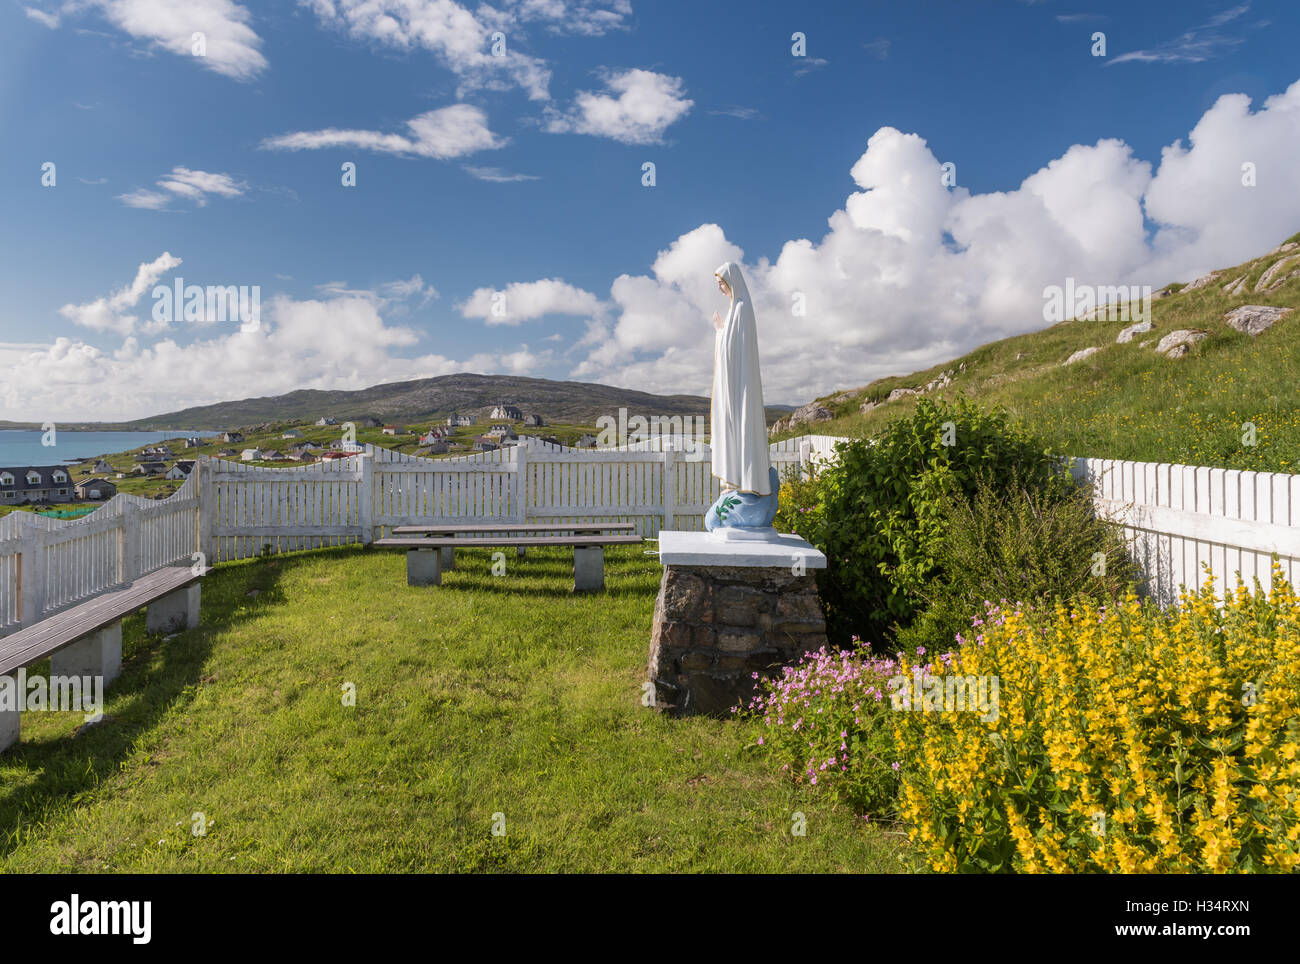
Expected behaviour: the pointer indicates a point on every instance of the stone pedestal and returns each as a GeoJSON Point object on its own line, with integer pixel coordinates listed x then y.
{"type": "Point", "coordinates": [729, 609]}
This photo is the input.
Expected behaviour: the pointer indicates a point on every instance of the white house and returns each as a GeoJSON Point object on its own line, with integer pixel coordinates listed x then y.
{"type": "Point", "coordinates": [507, 411]}
{"type": "Point", "coordinates": [180, 470]}
{"type": "Point", "coordinates": [459, 421]}
{"type": "Point", "coordinates": [292, 433]}
{"type": "Point", "coordinates": [326, 420]}
{"type": "Point", "coordinates": [251, 455]}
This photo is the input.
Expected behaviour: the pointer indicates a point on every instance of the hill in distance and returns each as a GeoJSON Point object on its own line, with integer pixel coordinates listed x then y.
{"type": "Point", "coordinates": [579, 403]}
{"type": "Point", "coordinates": [1230, 399]}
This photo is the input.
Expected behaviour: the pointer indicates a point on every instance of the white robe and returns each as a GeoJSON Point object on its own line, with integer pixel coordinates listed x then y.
{"type": "Point", "coordinates": [739, 421]}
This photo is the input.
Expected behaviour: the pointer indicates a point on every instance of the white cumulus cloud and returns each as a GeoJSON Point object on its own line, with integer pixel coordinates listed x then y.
{"type": "Point", "coordinates": [525, 300]}
{"type": "Point", "coordinates": [911, 273]}
{"type": "Point", "coordinates": [636, 108]}
{"type": "Point", "coordinates": [443, 133]}
{"type": "Point", "coordinates": [228, 44]}
{"type": "Point", "coordinates": [184, 183]}
{"type": "Point", "coordinates": [111, 312]}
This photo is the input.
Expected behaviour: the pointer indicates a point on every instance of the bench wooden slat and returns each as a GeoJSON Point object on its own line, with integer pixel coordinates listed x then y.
{"type": "Point", "coordinates": [36, 642]}
{"type": "Point", "coordinates": [435, 543]}
{"type": "Point", "coordinates": [520, 527]}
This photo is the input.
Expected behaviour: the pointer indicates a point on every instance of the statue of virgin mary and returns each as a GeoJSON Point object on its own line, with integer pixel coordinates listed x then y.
{"type": "Point", "coordinates": [738, 418]}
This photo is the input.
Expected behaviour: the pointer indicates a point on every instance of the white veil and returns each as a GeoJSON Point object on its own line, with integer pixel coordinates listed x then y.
{"type": "Point", "coordinates": [739, 422]}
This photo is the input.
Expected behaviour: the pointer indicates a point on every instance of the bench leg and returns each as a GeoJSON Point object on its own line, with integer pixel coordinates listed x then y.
{"type": "Point", "coordinates": [448, 558]}
{"type": "Point", "coordinates": [10, 715]}
{"type": "Point", "coordinates": [520, 551]}
{"type": "Point", "coordinates": [424, 567]}
{"type": "Point", "coordinates": [175, 611]}
{"type": "Point", "coordinates": [99, 654]}
{"type": "Point", "coordinates": [588, 568]}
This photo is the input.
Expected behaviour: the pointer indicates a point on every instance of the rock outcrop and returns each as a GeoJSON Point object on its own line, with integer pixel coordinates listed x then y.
{"type": "Point", "coordinates": [1125, 336]}
{"type": "Point", "coordinates": [812, 412]}
{"type": "Point", "coordinates": [1178, 343]}
{"type": "Point", "coordinates": [1279, 273]}
{"type": "Point", "coordinates": [1080, 355]}
{"type": "Point", "coordinates": [1252, 319]}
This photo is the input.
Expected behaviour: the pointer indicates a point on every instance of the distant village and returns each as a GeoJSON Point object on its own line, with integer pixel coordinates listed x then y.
{"type": "Point", "coordinates": [157, 470]}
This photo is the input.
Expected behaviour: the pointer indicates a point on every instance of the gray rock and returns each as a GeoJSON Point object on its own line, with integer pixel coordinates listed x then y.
{"type": "Point", "coordinates": [1204, 280]}
{"type": "Point", "coordinates": [898, 393]}
{"type": "Point", "coordinates": [1145, 343]}
{"type": "Point", "coordinates": [1080, 355]}
{"type": "Point", "coordinates": [1273, 277]}
{"type": "Point", "coordinates": [1177, 343]}
{"type": "Point", "coordinates": [1252, 319]}
{"type": "Point", "coordinates": [1282, 248]}
{"type": "Point", "coordinates": [1127, 334]}
{"type": "Point", "coordinates": [812, 412]}
{"type": "Point", "coordinates": [1019, 355]}
{"type": "Point", "coordinates": [868, 406]}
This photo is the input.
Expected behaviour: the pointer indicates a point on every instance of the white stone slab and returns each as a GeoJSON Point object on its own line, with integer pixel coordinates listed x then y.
{"type": "Point", "coordinates": [700, 549]}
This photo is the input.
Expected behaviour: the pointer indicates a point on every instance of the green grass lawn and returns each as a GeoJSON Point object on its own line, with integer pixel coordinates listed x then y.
{"type": "Point", "coordinates": [486, 695]}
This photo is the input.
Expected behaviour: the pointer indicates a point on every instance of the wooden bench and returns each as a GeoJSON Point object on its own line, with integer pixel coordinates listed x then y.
{"type": "Point", "coordinates": [498, 528]}
{"type": "Point", "coordinates": [424, 554]}
{"type": "Point", "coordinates": [86, 640]}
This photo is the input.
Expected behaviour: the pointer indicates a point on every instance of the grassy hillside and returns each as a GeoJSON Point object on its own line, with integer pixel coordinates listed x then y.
{"type": "Point", "coordinates": [1126, 401]}
{"type": "Point", "coordinates": [573, 402]}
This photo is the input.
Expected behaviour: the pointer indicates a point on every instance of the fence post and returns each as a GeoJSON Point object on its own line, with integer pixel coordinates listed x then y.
{"type": "Point", "coordinates": [129, 542]}
{"type": "Point", "coordinates": [205, 521]}
{"type": "Point", "coordinates": [668, 488]}
{"type": "Point", "coordinates": [521, 482]}
{"type": "Point", "coordinates": [366, 499]}
{"type": "Point", "coordinates": [805, 455]}
{"type": "Point", "coordinates": [31, 562]}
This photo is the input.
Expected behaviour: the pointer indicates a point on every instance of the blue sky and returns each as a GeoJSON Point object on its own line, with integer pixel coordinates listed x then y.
{"type": "Point", "coordinates": [523, 175]}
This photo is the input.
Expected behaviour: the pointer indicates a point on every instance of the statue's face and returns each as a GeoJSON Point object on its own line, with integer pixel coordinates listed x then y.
{"type": "Point", "coordinates": [723, 286]}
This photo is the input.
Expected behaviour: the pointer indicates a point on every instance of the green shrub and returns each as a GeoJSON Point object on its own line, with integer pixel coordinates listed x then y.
{"type": "Point", "coordinates": [1012, 541]}
{"type": "Point", "coordinates": [878, 510]}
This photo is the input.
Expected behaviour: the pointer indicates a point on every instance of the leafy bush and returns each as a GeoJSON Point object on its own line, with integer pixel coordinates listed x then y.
{"type": "Point", "coordinates": [1013, 541]}
{"type": "Point", "coordinates": [827, 722]}
{"type": "Point", "coordinates": [1126, 739]}
{"type": "Point", "coordinates": [878, 509]}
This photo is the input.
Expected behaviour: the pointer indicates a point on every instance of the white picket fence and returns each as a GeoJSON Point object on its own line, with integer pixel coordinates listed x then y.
{"type": "Point", "coordinates": [47, 565]}
{"type": "Point", "coordinates": [1177, 517]}
{"type": "Point", "coordinates": [1182, 517]}
{"type": "Point", "coordinates": [663, 483]}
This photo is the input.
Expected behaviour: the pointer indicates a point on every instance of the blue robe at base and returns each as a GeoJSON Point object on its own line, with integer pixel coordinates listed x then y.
{"type": "Point", "coordinates": [744, 510]}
